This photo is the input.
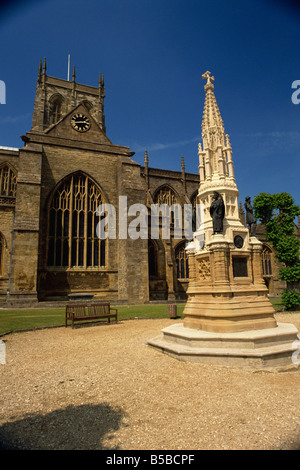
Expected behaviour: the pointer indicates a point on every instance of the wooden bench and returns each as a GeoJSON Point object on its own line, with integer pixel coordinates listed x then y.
{"type": "Point", "coordinates": [76, 312]}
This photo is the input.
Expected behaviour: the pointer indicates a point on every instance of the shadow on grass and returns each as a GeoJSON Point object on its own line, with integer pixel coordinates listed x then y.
{"type": "Point", "coordinates": [73, 428]}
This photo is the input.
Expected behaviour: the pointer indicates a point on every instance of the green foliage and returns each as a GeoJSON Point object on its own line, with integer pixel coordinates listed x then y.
{"type": "Point", "coordinates": [286, 204]}
{"type": "Point", "coordinates": [287, 249]}
{"type": "Point", "coordinates": [290, 273]}
{"type": "Point", "coordinates": [291, 299]}
{"type": "Point", "coordinates": [264, 205]}
{"type": "Point", "coordinates": [278, 212]}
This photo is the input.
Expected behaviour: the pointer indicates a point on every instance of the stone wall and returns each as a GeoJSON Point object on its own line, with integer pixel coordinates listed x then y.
{"type": "Point", "coordinates": [7, 208]}
{"type": "Point", "coordinates": [26, 225]}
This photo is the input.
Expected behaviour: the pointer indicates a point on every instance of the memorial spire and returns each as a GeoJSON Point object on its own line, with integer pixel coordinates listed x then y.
{"type": "Point", "coordinates": [213, 133]}
{"type": "Point", "coordinates": [216, 155]}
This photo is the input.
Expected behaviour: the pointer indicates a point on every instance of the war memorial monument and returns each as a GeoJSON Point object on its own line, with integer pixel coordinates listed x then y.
{"type": "Point", "coordinates": [228, 318]}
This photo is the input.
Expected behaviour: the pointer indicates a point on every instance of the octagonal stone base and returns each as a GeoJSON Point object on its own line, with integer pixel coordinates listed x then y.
{"type": "Point", "coordinates": [268, 348]}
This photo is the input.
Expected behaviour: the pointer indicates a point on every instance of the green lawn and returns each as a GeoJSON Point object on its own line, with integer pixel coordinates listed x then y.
{"type": "Point", "coordinates": [25, 319]}
{"type": "Point", "coordinates": [277, 303]}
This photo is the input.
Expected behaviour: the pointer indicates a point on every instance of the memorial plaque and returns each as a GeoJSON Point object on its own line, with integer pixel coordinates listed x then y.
{"type": "Point", "coordinates": [238, 241]}
{"type": "Point", "coordinates": [239, 267]}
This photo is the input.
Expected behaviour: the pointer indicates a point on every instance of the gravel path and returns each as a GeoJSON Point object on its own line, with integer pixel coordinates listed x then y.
{"type": "Point", "coordinates": [102, 387]}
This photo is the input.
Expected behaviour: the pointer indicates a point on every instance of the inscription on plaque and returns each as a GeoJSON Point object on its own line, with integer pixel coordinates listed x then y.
{"type": "Point", "coordinates": [239, 267]}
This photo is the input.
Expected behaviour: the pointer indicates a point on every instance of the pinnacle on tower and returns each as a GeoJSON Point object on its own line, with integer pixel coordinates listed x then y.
{"type": "Point", "coordinates": [40, 71]}
{"type": "Point", "coordinates": [146, 161]}
{"type": "Point", "coordinates": [182, 163]}
{"type": "Point", "coordinates": [101, 80]}
{"type": "Point", "coordinates": [44, 66]}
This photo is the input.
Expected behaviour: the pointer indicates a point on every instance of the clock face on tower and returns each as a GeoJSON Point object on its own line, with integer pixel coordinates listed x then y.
{"type": "Point", "coordinates": [80, 122]}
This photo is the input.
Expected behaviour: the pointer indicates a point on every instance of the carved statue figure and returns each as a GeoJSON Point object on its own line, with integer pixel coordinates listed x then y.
{"type": "Point", "coordinates": [251, 221]}
{"type": "Point", "coordinates": [217, 212]}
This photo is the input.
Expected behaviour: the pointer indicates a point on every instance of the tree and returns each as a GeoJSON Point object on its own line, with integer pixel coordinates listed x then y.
{"type": "Point", "coordinates": [277, 212]}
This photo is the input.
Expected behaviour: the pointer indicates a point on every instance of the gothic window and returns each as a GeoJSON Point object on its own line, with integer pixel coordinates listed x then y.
{"type": "Point", "coordinates": [266, 261]}
{"type": "Point", "coordinates": [56, 109]}
{"type": "Point", "coordinates": [165, 195]}
{"type": "Point", "coordinates": [181, 262]}
{"type": "Point", "coordinates": [8, 182]}
{"type": "Point", "coordinates": [72, 235]}
{"type": "Point", "coordinates": [152, 259]}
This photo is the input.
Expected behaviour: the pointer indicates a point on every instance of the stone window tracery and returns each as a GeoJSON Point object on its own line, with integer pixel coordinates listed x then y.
{"type": "Point", "coordinates": [152, 259]}
{"type": "Point", "coordinates": [266, 261]}
{"type": "Point", "coordinates": [8, 182]}
{"type": "Point", "coordinates": [73, 219]}
{"type": "Point", "coordinates": [8, 186]}
{"type": "Point", "coordinates": [181, 262]}
{"type": "Point", "coordinates": [165, 195]}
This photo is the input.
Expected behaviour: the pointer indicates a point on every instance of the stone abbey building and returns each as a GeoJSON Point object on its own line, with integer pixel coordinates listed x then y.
{"type": "Point", "coordinates": [50, 190]}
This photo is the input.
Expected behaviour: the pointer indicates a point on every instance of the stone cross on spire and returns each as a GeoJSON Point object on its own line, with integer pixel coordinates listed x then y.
{"type": "Point", "coordinates": [207, 76]}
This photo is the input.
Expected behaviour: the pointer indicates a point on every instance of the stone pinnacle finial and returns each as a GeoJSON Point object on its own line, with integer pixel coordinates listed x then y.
{"type": "Point", "coordinates": [40, 71]}
{"type": "Point", "coordinates": [228, 144]}
{"type": "Point", "coordinates": [146, 158]}
{"type": "Point", "coordinates": [209, 85]}
{"type": "Point", "coordinates": [101, 80]}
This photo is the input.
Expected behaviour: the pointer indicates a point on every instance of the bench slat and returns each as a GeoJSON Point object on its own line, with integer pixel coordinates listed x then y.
{"type": "Point", "coordinates": [81, 312]}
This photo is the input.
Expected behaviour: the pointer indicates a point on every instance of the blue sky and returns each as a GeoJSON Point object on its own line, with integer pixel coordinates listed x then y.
{"type": "Point", "coordinates": [153, 54]}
